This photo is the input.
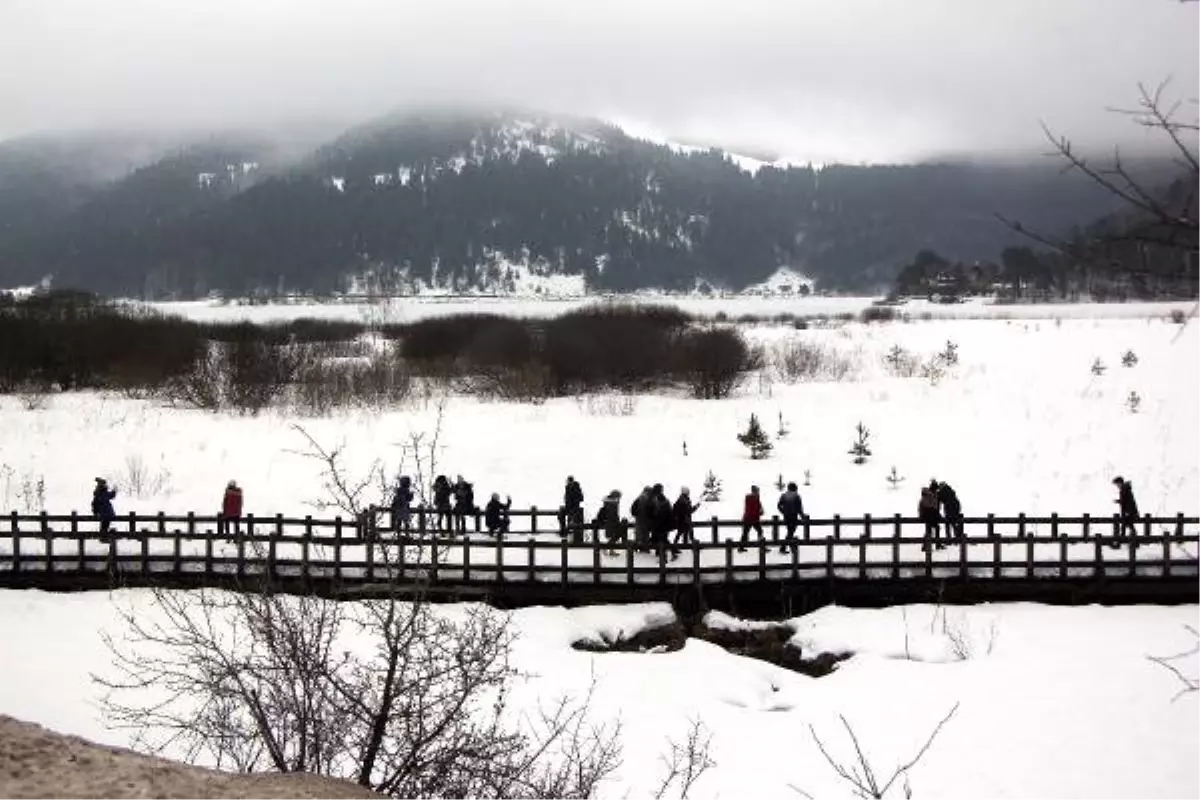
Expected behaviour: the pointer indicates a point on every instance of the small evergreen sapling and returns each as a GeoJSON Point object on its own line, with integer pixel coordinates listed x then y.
{"type": "Point", "coordinates": [1134, 402]}
{"type": "Point", "coordinates": [1098, 367]}
{"type": "Point", "coordinates": [1130, 359]}
{"type": "Point", "coordinates": [950, 355]}
{"type": "Point", "coordinates": [779, 484]}
{"type": "Point", "coordinates": [807, 477]}
{"type": "Point", "coordinates": [756, 439]}
{"type": "Point", "coordinates": [783, 428]}
{"type": "Point", "coordinates": [895, 479]}
{"type": "Point", "coordinates": [861, 448]}
{"type": "Point", "coordinates": [711, 492]}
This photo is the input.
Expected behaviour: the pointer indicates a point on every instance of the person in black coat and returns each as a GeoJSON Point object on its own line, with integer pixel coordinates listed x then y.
{"type": "Point", "coordinates": [682, 512]}
{"type": "Point", "coordinates": [608, 519]}
{"type": "Point", "coordinates": [102, 506]}
{"type": "Point", "coordinates": [951, 508]}
{"type": "Point", "coordinates": [495, 514]}
{"type": "Point", "coordinates": [442, 492]}
{"type": "Point", "coordinates": [927, 511]}
{"type": "Point", "coordinates": [662, 520]}
{"type": "Point", "coordinates": [1128, 508]}
{"type": "Point", "coordinates": [572, 505]}
{"type": "Point", "coordinates": [464, 503]}
{"type": "Point", "coordinates": [402, 505]}
{"type": "Point", "coordinates": [642, 511]}
{"type": "Point", "coordinates": [792, 508]}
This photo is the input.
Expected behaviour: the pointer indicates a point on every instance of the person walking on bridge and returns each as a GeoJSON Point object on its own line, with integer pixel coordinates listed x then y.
{"type": "Point", "coordinates": [1128, 510]}
{"type": "Point", "coordinates": [441, 503]}
{"type": "Point", "coordinates": [495, 514]}
{"type": "Point", "coordinates": [792, 508]}
{"type": "Point", "coordinates": [572, 519]}
{"type": "Point", "coordinates": [927, 512]}
{"type": "Point", "coordinates": [231, 510]}
{"type": "Point", "coordinates": [752, 512]}
{"type": "Point", "coordinates": [951, 508]}
{"type": "Point", "coordinates": [682, 511]}
{"type": "Point", "coordinates": [402, 506]}
{"type": "Point", "coordinates": [102, 507]}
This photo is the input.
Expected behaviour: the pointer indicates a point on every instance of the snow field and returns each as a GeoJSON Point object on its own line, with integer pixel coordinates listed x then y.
{"type": "Point", "coordinates": [1053, 701]}
{"type": "Point", "coordinates": [1065, 703]}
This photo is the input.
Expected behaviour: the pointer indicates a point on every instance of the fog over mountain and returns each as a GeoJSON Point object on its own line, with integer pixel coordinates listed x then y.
{"type": "Point", "coordinates": [827, 80]}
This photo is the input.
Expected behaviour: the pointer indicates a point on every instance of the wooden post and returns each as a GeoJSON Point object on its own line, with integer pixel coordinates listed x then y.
{"type": "Point", "coordinates": [533, 519]}
{"type": "Point", "coordinates": [1062, 557]}
{"type": "Point", "coordinates": [421, 520]}
{"type": "Point", "coordinates": [49, 545]}
{"type": "Point", "coordinates": [929, 560]}
{"type": "Point", "coordinates": [807, 532]}
{"type": "Point", "coordinates": [1087, 525]}
{"type": "Point", "coordinates": [897, 532]}
{"type": "Point", "coordinates": [1179, 525]}
{"type": "Point", "coordinates": [862, 558]}
{"type": "Point", "coordinates": [762, 560]}
{"type": "Point", "coordinates": [191, 532]}
{"type": "Point", "coordinates": [532, 560]}
{"type": "Point", "coordinates": [1054, 524]}
{"type": "Point", "coordinates": [596, 559]}
{"type": "Point", "coordinates": [208, 557]}
{"type": "Point", "coordinates": [829, 559]}
{"type": "Point", "coordinates": [1098, 559]}
{"type": "Point", "coordinates": [629, 563]}
{"type": "Point", "coordinates": [145, 562]}
{"type": "Point", "coordinates": [696, 579]}
{"type": "Point", "coordinates": [272, 549]}
{"type": "Point", "coordinates": [79, 540]}
{"type": "Point", "coordinates": [16, 544]}
{"type": "Point", "coordinates": [963, 572]}
{"type": "Point", "coordinates": [565, 556]}
{"type": "Point", "coordinates": [1021, 525]}
{"type": "Point", "coordinates": [866, 526]}
{"type": "Point", "coordinates": [132, 522]}
{"type": "Point", "coordinates": [837, 526]}
{"type": "Point", "coordinates": [240, 542]}
{"type": "Point", "coordinates": [662, 565]}
{"type": "Point", "coordinates": [1166, 556]}
{"type": "Point", "coordinates": [466, 560]}
{"type": "Point", "coordinates": [499, 558]}
{"type": "Point", "coordinates": [433, 560]}
{"type": "Point", "coordinates": [305, 561]}
{"type": "Point", "coordinates": [729, 562]}
{"type": "Point", "coordinates": [402, 554]}
{"type": "Point", "coordinates": [995, 557]}
{"type": "Point", "coordinates": [775, 528]}
{"type": "Point", "coordinates": [715, 529]}
{"type": "Point", "coordinates": [337, 548]}
{"type": "Point", "coordinates": [991, 525]}
{"type": "Point", "coordinates": [1029, 557]}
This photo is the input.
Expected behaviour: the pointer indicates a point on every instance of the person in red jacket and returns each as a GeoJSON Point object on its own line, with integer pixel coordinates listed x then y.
{"type": "Point", "coordinates": [231, 509]}
{"type": "Point", "coordinates": [751, 517]}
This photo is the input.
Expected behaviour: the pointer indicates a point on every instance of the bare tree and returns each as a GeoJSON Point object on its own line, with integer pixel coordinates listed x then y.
{"type": "Point", "coordinates": [685, 763]}
{"type": "Point", "coordinates": [859, 773]}
{"type": "Point", "coordinates": [1189, 683]}
{"type": "Point", "coordinates": [389, 693]}
{"type": "Point", "coordinates": [423, 448]}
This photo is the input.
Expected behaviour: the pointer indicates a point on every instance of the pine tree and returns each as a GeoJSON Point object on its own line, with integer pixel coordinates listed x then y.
{"type": "Point", "coordinates": [783, 428]}
{"type": "Point", "coordinates": [1130, 359]}
{"type": "Point", "coordinates": [779, 484]}
{"type": "Point", "coordinates": [756, 439]}
{"type": "Point", "coordinates": [711, 492]}
{"type": "Point", "coordinates": [861, 449]}
{"type": "Point", "coordinates": [895, 478]}
{"type": "Point", "coordinates": [1098, 367]}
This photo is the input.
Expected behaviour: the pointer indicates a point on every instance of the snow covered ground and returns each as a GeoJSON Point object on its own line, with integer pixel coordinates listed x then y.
{"type": "Point", "coordinates": [1021, 424]}
{"type": "Point", "coordinates": [410, 309]}
{"type": "Point", "coordinates": [1052, 702]}
{"type": "Point", "coordinates": [1066, 703]}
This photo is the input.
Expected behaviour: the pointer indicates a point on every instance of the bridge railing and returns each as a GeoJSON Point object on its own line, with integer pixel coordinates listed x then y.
{"type": "Point", "coordinates": [360, 550]}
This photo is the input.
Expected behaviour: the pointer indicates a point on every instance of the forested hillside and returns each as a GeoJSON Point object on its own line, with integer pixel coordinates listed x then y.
{"type": "Point", "coordinates": [461, 201]}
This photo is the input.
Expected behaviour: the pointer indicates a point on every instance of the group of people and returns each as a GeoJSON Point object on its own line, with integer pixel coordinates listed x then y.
{"type": "Point", "coordinates": [453, 503]}
{"type": "Point", "coordinates": [654, 516]}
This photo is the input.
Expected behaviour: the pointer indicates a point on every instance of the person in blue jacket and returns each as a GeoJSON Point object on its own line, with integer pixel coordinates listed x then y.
{"type": "Point", "coordinates": [102, 506]}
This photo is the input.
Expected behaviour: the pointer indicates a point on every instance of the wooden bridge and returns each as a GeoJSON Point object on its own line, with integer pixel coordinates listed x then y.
{"type": "Point", "coordinates": [855, 561]}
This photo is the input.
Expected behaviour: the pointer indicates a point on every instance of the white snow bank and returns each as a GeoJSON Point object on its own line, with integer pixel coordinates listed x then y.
{"type": "Point", "coordinates": [720, 621]}
{"type": "Point", "coordinates": [600, 626]}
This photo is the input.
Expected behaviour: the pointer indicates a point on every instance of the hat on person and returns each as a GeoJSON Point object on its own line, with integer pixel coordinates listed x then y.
{"type": "Point", "coordinates": [684, 490]}
{"type": "Point", "coordinates": [231, 485]}
{"type": "Point", "coordinates": [1117, 480]}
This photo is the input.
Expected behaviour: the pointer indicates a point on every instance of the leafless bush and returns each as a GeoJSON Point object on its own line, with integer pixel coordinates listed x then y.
{"type": "Point", "coordinates": [860, 774]}
{"type": "Point", "coordinates": [803, 361]}
{"type": "Point", "coordinates": [1188, 683]}
{"type": "Point", "coordinates": [34, 396]}
{"type": "Point", "coordinates": [23, 492]}
{"type": "Point", "coordinates": [685, 763]}
{"type": "Point", "coordinates": [423, 448]}
{"type": "Point", "coordinates": [609, 404]}
{"type": "Point", "coordinates": [902, 363]}
{"type": "Point", "coordinates": [141, 480]}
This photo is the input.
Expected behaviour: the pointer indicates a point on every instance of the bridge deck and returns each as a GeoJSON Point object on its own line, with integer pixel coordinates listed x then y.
{"type": "Point", "coordinates": [1062, 559]}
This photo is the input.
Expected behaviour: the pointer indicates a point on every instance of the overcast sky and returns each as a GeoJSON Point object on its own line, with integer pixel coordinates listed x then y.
{"type": "Point", "coordinates": [848, 80]}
